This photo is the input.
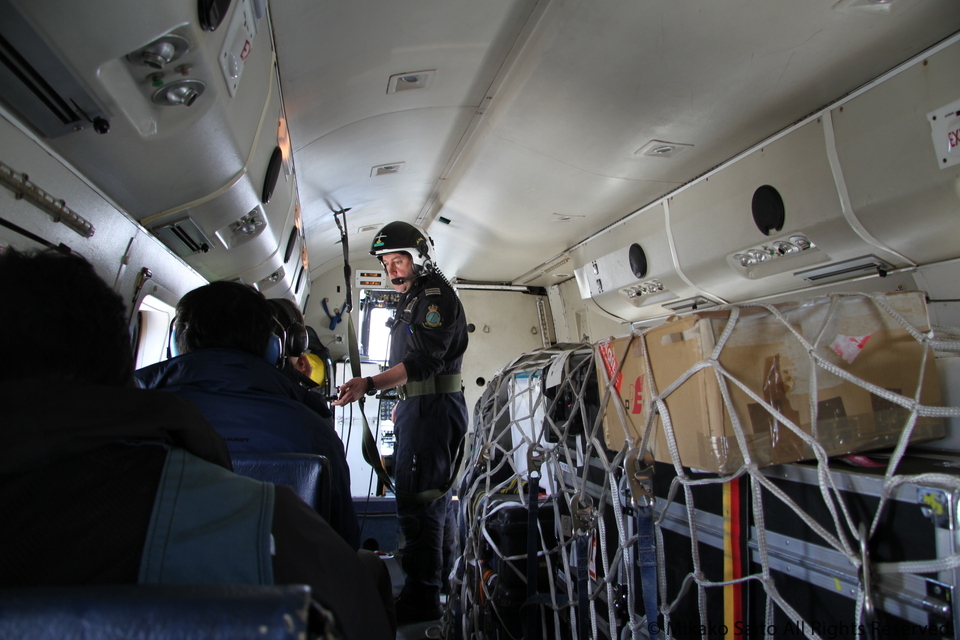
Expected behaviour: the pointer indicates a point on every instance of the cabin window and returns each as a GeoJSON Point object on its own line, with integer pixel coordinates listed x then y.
{"type": "Point", "coordinates": [152, 330]}
{"type": "Point", "coordinates": [377, 309]}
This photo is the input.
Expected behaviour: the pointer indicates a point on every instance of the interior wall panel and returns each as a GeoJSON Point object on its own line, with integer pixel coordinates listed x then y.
{"type": "Point", "coordinates": [892, 171]}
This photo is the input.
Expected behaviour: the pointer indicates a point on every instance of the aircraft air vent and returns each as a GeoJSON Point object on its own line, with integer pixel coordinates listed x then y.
{"type": "Point", "coordinates": [184, 237]}
{"type": "Point", "coordinates": [387, 169]}
{"type": "Point", "coordinates": [271, 279]}
{"type": "Point", "coordinates": [38, 86]}
{"type": "Point", "coordinates": [368, 227]}
{"type": "Point", "coordinates": [867, 265]}
{"type": "Point", "coordinates": [768, 211]}
{"type": "Point", "coordinates": [243, 230]}
{"type": "Point", "coordinates": [410, 81]}
{"type": "Point", "coordinates": [662, 149]}
{"type": "Point", "coordinates": [179, 93]}
{"type": "Point", "coordinates": [647, 293]}
{"type": "Point", "coordinates": [697, 303]}
{"type": "Point", "coordinates": [776, 256]}
{"type": "Point", "coordinates": [160, 52]}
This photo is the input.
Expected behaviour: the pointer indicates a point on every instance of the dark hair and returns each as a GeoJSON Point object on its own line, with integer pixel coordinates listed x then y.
{"type": "Point", "coordinates": [60, 322]}
{"type": "Point", "coordinates": [224, 315]}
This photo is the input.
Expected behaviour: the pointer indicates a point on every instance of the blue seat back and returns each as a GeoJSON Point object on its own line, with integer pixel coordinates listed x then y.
{"type": "Point", "coordinates": [307, 474]}
{"type": "Point", "coordinates": [160, 612]}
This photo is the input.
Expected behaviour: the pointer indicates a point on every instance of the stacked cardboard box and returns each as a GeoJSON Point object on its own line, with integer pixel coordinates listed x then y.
{"type": "Point", "coordinates": [767, 356]}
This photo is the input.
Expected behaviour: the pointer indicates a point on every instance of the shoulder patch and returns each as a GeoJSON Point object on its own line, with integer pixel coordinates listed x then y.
{"type": "Point", "coordinates": [432, 320]}
{"type": "Point", "coordinates": [435, 291]}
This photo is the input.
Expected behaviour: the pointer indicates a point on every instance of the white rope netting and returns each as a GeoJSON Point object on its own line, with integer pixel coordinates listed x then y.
{"type": "Point", "coordinates": [545, 421]}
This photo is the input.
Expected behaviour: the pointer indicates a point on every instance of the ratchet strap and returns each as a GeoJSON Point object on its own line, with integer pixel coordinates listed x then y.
{"type": "Point", "coordinates": [531, 618]}
{"type": "Point", "coordinates": [640, 471]}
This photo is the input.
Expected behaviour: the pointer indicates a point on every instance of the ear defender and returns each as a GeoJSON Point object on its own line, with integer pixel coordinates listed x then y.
{"type": "Point", "coordinates": [172, 350]}
{"type": "Point", "coordinates": [274, 350]}
{"type": "Point", "coordinates": [289, 321]}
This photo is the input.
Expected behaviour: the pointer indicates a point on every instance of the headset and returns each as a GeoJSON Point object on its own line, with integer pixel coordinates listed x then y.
{"type": "Point", "coordinates": [289, 327]}
{"type": "Point", "coordinates": [272, 353]}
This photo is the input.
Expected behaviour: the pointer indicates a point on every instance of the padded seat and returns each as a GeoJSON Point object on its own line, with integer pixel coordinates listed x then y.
{"type": "Point", "coordinates": [161, 612]}
{"type": "Point", "coordinates": [307, 474]}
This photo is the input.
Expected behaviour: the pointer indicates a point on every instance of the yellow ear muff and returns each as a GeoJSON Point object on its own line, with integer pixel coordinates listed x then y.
{"type": "Point", "coordinates": [319, 369]}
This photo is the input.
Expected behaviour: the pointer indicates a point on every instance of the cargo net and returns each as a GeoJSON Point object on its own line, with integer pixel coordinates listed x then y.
{"type": "Point", "coordinates": [542, 454]}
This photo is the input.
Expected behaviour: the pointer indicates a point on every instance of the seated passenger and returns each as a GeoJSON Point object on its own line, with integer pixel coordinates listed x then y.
{"type": "Point", "coordinates": [296, 365]}
{"type": "Point", "coordinates": [228, 369]}
{"type": "Point", "coordinates": [90, 466]}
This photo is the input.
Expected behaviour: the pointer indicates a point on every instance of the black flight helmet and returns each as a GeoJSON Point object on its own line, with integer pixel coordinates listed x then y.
{"type": "Point", "coordinates": [404, 237]}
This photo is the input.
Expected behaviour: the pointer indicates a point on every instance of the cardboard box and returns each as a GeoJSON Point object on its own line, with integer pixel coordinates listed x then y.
{"type": "Point", "coordinates": [766, 355]}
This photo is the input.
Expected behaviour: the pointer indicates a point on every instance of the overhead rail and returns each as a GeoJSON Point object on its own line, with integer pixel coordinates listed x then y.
{"type": "Point", "coordinates": [23, 189]}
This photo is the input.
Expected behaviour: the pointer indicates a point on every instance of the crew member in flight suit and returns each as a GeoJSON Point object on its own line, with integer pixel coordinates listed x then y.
{"type": "Point", "coordinates": [428, 339]}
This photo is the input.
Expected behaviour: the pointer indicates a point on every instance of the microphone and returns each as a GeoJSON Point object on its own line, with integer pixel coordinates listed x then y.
{"type": "Point", "coordinates": [398, 280]}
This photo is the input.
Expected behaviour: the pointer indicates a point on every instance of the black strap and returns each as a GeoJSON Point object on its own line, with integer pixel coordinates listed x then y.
{"type": "Point", "coordinates": [531, 618]}
{"type": "Point", "coordinates": [582, 546]}
{"type": "Point", "coordinates": [368, 446]}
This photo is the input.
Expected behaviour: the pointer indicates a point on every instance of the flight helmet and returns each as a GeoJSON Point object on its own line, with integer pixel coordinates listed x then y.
{"type": "Point", "coordinates": [401, 236]}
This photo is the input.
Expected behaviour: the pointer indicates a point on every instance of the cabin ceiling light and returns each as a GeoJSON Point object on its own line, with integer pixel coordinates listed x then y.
{"type": "Point", "coordinates": [368, 227]}
{"type": "Point", "coordinates": [387, 169]}
{"type": "Point", "coordinates": [662, 149]}
{"type": "Point", "coordinates": [411, 80]}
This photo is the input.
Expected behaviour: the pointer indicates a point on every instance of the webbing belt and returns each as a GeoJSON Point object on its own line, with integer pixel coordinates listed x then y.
{"type": "Point", "coordinates": [448, 383]}
{"type": "Point", "coordinates": [647, 563]}
{"type": "Point", "coordinates": [639, 470]}
{"type": "Point", "coordinates": [531, 617]}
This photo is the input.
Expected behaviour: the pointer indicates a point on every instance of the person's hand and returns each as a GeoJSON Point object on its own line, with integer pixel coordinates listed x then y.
{"type": "Point", "coordinates": [350, 391]}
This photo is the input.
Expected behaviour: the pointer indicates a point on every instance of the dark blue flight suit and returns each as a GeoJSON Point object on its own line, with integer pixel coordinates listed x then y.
{"type": "Point", "coordinates": [429, 336]}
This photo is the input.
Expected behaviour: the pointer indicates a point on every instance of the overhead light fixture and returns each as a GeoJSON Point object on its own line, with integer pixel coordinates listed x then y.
{"type": "Point", "coordinates": [662, 149]}
{"type": "Point", "coordinates": [410, 81]}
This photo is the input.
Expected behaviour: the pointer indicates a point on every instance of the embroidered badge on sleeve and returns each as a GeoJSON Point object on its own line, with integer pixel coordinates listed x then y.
{"type": "Point", "coordinates": [432, 319]}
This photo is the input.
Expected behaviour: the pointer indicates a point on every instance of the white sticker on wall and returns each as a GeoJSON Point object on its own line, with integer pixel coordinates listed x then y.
{"type": "Point", "coordinates": [945, 129]}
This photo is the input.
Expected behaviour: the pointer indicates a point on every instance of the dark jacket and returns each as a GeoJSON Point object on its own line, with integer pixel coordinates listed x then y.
{"type": "Point", "coordinates": [429, 333]}
{"type": "Point", "coordinates": [256, 408]}
{"type": "Point", "coordinates": [78, 483]}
